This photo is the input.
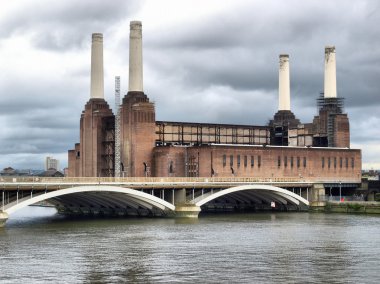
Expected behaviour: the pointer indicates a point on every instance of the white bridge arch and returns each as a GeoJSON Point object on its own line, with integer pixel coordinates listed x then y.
{"type": "Point", "coordinates": [257, 192]}
{"type": "Point", "coordinates": [125, 196]}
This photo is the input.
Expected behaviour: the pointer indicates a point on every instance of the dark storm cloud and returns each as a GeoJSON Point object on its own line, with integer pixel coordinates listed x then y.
{"type": "Point", "coordinates": [242, 51]}
{"type": "Point", "coordinates": [40, 110]}
{"type": "Point", "coordinates": [222, 67]}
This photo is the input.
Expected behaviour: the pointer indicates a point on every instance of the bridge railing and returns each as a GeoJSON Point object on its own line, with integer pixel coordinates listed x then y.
{"type": "Point", "coordinates": [166, 180]}
{"type": "Point", "coordinates": [144, 179]}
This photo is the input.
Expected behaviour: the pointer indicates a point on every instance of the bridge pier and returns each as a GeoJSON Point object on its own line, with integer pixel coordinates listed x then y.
{"type": "Point", "coordinates": [317, 202]}
{"type": "Point", "coordinates": [3, 218]}
{"type": "Point", "coordinates": [187, 211]}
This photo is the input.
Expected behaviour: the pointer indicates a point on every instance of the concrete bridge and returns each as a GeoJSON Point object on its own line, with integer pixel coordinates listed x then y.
{"type": "Point", "coordinates": [173, 197]}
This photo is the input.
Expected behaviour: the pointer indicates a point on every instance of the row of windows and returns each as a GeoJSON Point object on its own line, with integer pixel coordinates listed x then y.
{"type": "Point", "coordinates": [245, 161]}
{"type": "Point", "coordinates": [334, 161]}
{"type": "Point", "coordinates": [292, 161]}
{"type": "Point", "coordinates": [288, 161]}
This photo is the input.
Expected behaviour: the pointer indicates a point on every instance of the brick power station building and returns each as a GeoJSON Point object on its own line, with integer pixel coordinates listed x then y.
{"type": "Point", "coordinates": [319, 150]}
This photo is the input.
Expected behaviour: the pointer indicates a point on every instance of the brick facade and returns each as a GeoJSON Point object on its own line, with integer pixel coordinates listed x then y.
{"type": "Point", "coordinates": [257, 161]}
{"type": "Point", "coordinates": [137, 134]}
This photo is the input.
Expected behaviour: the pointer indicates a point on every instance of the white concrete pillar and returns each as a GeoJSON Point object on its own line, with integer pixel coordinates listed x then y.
{"type": "Point", "coordinates": [97, 78]}
{"type": "Point", "coordinates": [284, 83]}
{"type": "Point", "coordinates": [330, 72]}
{"type": "Point", "coordinates": [3, 218]}
{"type": "Point", "coordinates": [135, 57]}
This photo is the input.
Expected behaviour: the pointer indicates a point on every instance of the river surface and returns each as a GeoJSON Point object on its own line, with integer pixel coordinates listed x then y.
{"type": "Point", "coordinates": [38, 246]}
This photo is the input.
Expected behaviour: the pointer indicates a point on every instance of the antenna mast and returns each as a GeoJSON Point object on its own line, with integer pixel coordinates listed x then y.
{"type": "Point", "coordinates": [117, 126]}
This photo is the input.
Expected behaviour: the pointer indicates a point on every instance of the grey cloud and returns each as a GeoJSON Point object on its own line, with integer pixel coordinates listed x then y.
{"type": "Point", "coordinates": [66, 24]}
{"type": "Point", "coordinates": [222, 69]}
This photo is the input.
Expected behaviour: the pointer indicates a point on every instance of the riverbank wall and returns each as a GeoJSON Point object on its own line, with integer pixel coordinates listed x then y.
{"type": "Point", "coordinates": [366, 207]}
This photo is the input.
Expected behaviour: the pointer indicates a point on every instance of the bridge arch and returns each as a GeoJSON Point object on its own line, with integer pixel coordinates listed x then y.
{"type": "Point", "coordinates": [100, 196]}
{"type": "Point", "coordinates": [258, 192]}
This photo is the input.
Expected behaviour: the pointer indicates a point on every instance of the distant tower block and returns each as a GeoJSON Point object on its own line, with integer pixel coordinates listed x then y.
{"type": "Point", "coordinates": [135, 57]}
{"type": "Point", "coordinates": [284, 83]}
{"type": "Point", "coordinates": [97, 81]}
{"type": "Point", "coordinates": [330, 72]}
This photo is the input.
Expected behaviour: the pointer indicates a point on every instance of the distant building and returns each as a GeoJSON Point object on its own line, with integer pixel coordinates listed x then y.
{"type": "Point", "coordinates": [51, 163]}
{"type": "Point", "coordinates": [51, 173]}
{"type": "Point", "coordinates": [9, 171]}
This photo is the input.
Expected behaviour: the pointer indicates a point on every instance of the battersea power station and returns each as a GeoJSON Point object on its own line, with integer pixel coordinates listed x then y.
{"type": "Point", "coordinates": [132, 143]}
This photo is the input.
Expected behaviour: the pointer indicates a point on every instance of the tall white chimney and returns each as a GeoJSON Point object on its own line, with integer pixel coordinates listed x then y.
{"type": "Point", "coordinates": [284, 83]}
{"type": "Point", "coordinates": [135, 57]}
{"type": "Point", "coordinates": [97, 80]}
{"type": "Point", "coordinates": [330, 72]}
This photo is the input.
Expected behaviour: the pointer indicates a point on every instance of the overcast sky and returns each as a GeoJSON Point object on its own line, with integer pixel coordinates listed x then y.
{"type": "Point", "coordinates": [204, 61]}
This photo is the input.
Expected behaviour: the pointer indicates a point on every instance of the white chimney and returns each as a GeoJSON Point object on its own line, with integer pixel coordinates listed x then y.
{"type": "Point", "coordinates": [330, 72]}
{"type": "Point", "coordinates": [97, 80]}
{"type": "Point", "coordinates": [135, 57]}
{"type": "Point", "coordinates": [284, 83]}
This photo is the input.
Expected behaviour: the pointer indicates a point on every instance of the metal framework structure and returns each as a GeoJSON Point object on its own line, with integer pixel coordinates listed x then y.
{"type": "Point", "coordinates": [332, 106]}
{"type": "Point", "coordinates": [108, 144]}
{"type": "Point", "coordinates": [117, 126]}
{"type": "Point", "coordinates": [185, 133]}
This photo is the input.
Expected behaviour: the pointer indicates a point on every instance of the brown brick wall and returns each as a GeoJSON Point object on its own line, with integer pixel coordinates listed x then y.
{"type": "Point", "coordinates": [209, 159]}
{"type": "Point", "coordinates": [169, 161]}
{"type": "Point", "coordinates": [78, 163]}
{"type": "Point", "coordinates": [92, 137]}
{"type": "Point", "coordinates": [71, 163]}
{"type": "Point", "coordinates": [342, 131]}
{"type": "Point", "coordinates": [137, 134]}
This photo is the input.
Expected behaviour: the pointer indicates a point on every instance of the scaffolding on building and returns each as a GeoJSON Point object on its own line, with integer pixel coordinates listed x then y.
{"type": "Point", "coordinates": [332, 107]}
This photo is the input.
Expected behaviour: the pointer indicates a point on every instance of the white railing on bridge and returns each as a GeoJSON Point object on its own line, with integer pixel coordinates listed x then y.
{"type": "Point", "coordinates": [167, 180]}
{"type": "Point", "coordinates": [145, 179]}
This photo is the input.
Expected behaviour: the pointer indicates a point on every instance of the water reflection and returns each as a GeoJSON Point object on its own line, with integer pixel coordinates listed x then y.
{"type": "Point", "coordinates": [247, 248]}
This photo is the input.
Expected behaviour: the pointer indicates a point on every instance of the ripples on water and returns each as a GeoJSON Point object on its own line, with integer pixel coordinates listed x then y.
{"type": "Point", "coordinates": [39, 246]}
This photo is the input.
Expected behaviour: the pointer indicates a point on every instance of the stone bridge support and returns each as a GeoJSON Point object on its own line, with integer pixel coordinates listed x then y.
{"type": "Point", "coordinates": [3, 218]}
{"type": "Point", "coordinates": [317, 200]}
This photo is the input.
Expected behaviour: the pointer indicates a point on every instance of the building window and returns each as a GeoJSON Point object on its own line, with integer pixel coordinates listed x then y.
{"type": "Point", "coordinates": [279, 161]}
{"type": "Point", "coordinates": [259, 161]}
{"type": "Point", "coordinates": [238, 161]}
{"type": "Point", "coordinates": [291, 162]}
{"type": "Point", "coordinates": [252, 161]}
{"type": "Point", "coordinates": [298, 162]}
{"type": "Point", "coordinates": [346, 163]}
{"type": "Point", "coordinates": [334, 162]}
{"type": "Point", "coordinates": [231, 160]}
{"type": "Point", "coordinates": [245, 161]}
{"type": "Point", "coordinates": [285, 161]}
{"type": "Point", "coordinates": [323, 162]}
{"type": "Point", "coordinates": [328, 162]}
{"type": "Point", "coordinates": [224, 160]}
{"type": "Point", "coordinates": [304, 162]}
{"type": "Point", "coordinates": [341, 162]}
{"type": "Point", "coordinates": [352, 163]}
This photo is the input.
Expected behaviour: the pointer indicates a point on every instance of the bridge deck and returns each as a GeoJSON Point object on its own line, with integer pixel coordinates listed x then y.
{"type": "Point", "coordinates": [38, 183]}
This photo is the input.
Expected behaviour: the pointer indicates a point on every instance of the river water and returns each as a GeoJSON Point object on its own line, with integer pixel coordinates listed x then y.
{"type": "Point", "coordinates": [39, 246]}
